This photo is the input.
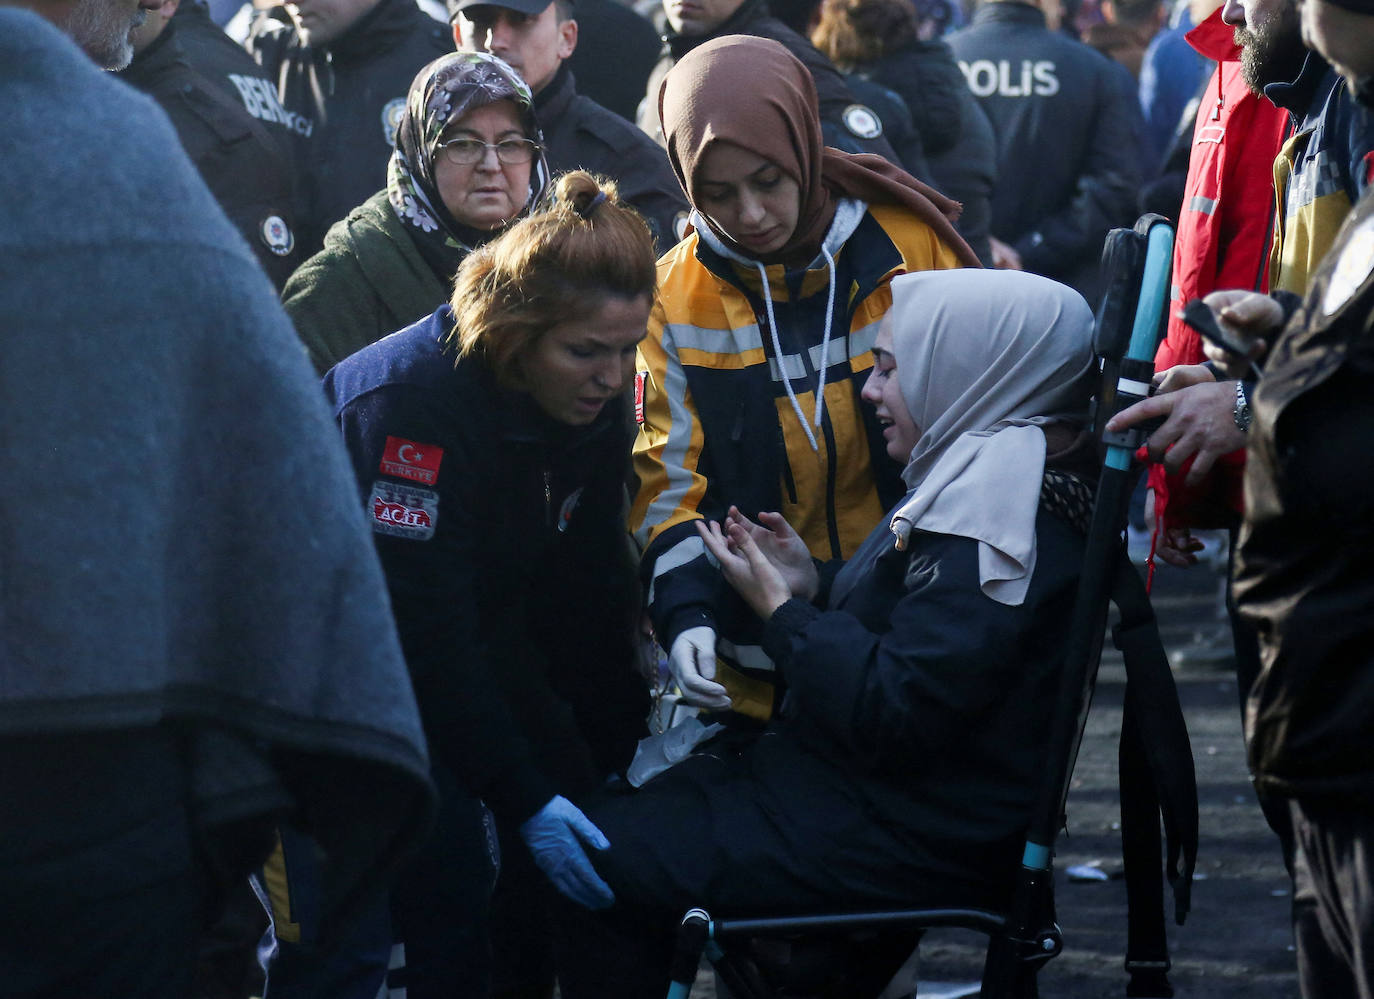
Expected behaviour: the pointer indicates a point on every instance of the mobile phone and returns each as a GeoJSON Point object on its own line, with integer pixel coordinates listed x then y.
{"type": "Point", "coordinates": [1199, 317]}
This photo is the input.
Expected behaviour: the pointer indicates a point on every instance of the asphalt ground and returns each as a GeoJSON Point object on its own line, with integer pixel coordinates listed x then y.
{"type": "Point", "coordinates": [1237, 940]}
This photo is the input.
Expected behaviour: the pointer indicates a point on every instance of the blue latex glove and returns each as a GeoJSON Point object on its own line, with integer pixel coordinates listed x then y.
{"type": "Point", "coordinates": [553, 835]}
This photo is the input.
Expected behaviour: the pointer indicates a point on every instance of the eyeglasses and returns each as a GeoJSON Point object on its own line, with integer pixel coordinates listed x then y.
{"type": "Point", "coordinates": [466, 152]}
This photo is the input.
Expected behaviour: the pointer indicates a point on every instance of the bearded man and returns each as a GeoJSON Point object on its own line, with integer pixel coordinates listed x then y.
{"type": "Point", "coordinates": [1325, 165]}
{"type": "Point", "coordinates": [102, 27]}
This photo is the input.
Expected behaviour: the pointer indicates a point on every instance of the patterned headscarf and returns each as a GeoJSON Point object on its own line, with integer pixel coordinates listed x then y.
{"type": "Point", "coordinates": [443, 92]}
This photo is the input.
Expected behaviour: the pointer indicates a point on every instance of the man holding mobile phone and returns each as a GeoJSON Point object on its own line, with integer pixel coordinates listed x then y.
{"type": "Point", "coordinates": [1302, 575]}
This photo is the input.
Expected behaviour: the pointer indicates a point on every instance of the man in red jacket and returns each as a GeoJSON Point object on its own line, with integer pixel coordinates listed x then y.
{"type": "Point", "coordinates": [1224, 231]}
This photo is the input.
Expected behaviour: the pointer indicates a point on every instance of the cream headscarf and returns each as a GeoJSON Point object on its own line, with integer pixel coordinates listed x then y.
{"type": "Point", "coordinates": [983, 359]}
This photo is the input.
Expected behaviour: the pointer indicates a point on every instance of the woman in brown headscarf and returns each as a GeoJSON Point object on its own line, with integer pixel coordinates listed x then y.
{"type": "Point", "coordinates": [749, 379]}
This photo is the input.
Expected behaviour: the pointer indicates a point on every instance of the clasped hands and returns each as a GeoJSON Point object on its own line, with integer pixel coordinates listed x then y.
{"type": "Point", "coordinates": [767, 562]}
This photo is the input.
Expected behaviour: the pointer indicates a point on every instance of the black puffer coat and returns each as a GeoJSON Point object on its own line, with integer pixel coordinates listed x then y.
{"type": "Point", "coordinates": [842, 127]}
{"type": "Point", "coordinates": [927, 77]}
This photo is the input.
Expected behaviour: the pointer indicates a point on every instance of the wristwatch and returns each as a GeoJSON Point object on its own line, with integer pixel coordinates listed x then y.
{"type": "Point", "coordinates": [1241, 414]}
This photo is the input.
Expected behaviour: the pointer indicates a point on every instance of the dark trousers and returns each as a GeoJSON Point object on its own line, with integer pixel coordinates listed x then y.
{"type": "Point", "coordinates": [1247, 672]}
{"type": "Point", "coordinates": [736, 837]}
{"type": "Point", "coordinates": [100, 892]}
{"type": "Point", "coordinates": [429, 939]}
{"type": "Point", "coordinates": [1334, 874]}
{"type": "Point", "coordinates": [440, 904]}
{"type": "Point", "coordinates": [141, 942]}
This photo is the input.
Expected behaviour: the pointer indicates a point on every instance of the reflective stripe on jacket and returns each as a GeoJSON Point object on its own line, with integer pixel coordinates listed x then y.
{"type": "Point", "coordinates": [717, 426]}
{"type": "Point", "coordinates": [1319, 174]}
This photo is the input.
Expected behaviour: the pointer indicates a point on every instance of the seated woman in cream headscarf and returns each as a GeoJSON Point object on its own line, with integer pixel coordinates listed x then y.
{"type": "Point", "coordinates": [903, 765]}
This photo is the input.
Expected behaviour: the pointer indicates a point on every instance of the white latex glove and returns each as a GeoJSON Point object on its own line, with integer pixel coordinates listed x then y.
{"type": "Point", "coordinates": [692, 660]}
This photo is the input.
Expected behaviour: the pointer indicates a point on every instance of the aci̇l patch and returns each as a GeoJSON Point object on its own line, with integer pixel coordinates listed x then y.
{"type": "Point", "coordinates": [403, 511]}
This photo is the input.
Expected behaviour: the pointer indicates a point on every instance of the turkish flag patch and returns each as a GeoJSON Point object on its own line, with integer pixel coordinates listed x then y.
{"type": "Point", "coordinates": [410, 460]}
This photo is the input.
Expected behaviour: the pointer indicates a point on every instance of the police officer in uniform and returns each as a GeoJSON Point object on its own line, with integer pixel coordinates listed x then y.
{"type": "Point", "coordinates": [537, 37]}
{"type": "Point", "coordinates": [226, 66]}
{"type": "Point", "coordinates": [846, 123]}
{"type": "Point", "coordinates": [246, 168]}
{"type": "Point", "coordinates": [344, 68]}
{"type": "Point", "coordinates": [1068, 126]}
{"type": "Point", "coordinates": [617, 51]}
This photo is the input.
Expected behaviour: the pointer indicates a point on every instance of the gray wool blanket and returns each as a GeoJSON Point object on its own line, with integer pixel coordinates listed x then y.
{"type": "Point", "coordinates": [181, 539]}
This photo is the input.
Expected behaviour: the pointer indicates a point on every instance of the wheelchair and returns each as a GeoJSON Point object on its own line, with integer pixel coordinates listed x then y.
{"type": "Point", "coordinates": [766, 957]}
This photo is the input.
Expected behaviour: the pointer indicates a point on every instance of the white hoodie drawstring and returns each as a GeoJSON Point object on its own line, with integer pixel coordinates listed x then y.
{"type": "Point", "coordinates": [825, 340]}
{"type": "Point", "coordinates": [825, 347]}
{"type": "Point", "coordinates": [778, 355]}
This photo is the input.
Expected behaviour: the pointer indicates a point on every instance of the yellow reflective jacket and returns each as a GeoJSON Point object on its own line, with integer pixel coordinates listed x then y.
{"type": "Point", "coordinates": [1320, 172]}
{"type": "Point", "coordinates": [718, 427]}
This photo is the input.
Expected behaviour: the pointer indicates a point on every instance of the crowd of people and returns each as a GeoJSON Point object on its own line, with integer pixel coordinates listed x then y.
{"type": "Point", "coordinates": [424, 418]}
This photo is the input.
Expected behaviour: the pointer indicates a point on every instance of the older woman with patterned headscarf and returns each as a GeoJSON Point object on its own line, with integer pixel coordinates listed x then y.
{"type": "Point", "coordinates": [468, 161]}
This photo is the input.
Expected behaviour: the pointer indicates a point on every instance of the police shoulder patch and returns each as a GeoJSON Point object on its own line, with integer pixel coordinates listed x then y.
{"type": "Point", "coordinates": [681, 221]}
{"type": "Point", "coordinates": [1352, 269]}
{"type": "Point", "coordinates": [392, 112]}
{"type": "Point", "coordinates": [863, 121]}
{"type": "Point", "coordinates": [403, 511]}
{"type": "Point", "coordinates": [277, 235]}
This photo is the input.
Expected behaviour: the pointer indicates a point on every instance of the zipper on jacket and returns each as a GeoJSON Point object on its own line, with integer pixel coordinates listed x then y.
{"type": "Point", "coordinates": [789, 483]}
{"type": "Point", "coordinates": [831, 523]}
{"type": "Point", "coordinates": [548, 498]}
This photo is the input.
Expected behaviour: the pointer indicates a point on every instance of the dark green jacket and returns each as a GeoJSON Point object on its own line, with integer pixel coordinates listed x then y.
{"type": "Point", "coordinates": [368, 281]}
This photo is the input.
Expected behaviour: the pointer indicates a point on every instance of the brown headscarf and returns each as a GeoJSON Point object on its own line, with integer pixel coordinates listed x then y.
{"type": "Point", "coordinates": [753, 93]}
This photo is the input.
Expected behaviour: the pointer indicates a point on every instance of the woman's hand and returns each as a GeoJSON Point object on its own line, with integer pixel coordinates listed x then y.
{"type": "Point", "coordinates": [745, 567]}
{"type": "Point", "coordinates": [1004, 257]}
{"type": "Point", "coordinates": [783, 547]}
